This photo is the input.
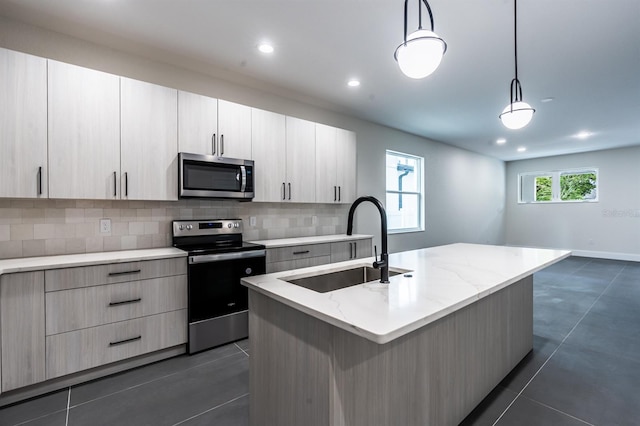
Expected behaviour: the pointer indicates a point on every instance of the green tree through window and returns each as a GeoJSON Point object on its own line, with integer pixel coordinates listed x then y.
{"type": "Point", "coordinates": [577, 186]}
{"type": "Point", "coordinates": [543, 188]}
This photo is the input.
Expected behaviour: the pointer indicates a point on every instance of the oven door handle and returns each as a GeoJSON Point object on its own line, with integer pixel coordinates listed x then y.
{"type": "Point", "coordinates": [206, 258]}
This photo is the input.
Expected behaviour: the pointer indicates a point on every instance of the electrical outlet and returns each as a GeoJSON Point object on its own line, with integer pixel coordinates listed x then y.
{"type": "Point", "coordinates": [105, 226]}
{"type": "Point", "coordinates": [252, 221]}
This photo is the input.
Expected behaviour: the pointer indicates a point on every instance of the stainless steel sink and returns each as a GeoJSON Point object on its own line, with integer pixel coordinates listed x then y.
{"type": "Point", "coordinates": [334, 280]}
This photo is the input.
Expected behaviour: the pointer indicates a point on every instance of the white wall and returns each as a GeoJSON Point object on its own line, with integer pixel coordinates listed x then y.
{"type": "Point", "coordinates": [608, 228]}
{"type": "Point", "coordinates": [464, 191]}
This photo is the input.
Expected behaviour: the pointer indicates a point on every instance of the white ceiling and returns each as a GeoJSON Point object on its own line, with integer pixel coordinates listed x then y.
{"type": "Point", "coordinates": [583, 53]}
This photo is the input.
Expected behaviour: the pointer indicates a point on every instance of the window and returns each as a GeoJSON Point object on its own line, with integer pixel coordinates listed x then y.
{"type": "Point", "coordinates": [405, 200]}
{"type": "Point", "coordinates": [559, 186]}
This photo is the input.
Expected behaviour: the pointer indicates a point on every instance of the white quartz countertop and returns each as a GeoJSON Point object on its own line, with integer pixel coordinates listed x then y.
{"type": "Point", "coordinates": [285, 242]}
{"type": "Point", "coordinates": [70, 260]}
{"type": "Point", "coordinates": [442, 280]}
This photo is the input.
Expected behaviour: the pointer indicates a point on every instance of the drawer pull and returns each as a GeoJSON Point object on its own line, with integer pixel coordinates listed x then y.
{"type": "Point", "coordinates": [125, 302]}
{"type": "Point", "coordinates": [115, 274]}
{"type": "Point", "coordinates": [121, 342]}
{"type": "Point", "coordinates": [301, 252]}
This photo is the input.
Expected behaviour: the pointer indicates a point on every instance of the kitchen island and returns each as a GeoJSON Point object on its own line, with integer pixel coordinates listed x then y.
{"type": "Point", "coordinates": [424, 349]}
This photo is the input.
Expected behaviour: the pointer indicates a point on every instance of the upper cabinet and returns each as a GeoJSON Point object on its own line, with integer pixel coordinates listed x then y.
{"type": "Point", "coordinates": [197, 123]}
{"type": "Point", "coordinates": [346, 162]}
{"type": "Point", "coordinates": [300, 185]}
{"type": "Point", "coordinates": [268, 147]}
{"type": "Point", "coordinates": [335, 165]}
{"type": "Point", "coordinates": [149, 141]}
{"type": "Point", "coordinates": [23, 125]}
{"type": "Point", "coordinates": [213, 127]}
{"type": "Point", "coordinates": [84, 133]}
{"type": "Point", "coordinates": [234, 125]}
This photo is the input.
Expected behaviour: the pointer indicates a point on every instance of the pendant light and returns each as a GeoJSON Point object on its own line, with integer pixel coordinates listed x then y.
{"type": "Point", "coordinates": [517, 114]}
{"type": "Point", "coordinates": [421, 52]}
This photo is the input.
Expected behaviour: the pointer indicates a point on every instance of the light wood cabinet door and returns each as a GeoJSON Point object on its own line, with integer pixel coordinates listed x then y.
{"type": "Point", "coordinates": [23, 125]}
{"type": "Point", "coordinates": [349, 250]}
{"type": "Point", "coordinates": [301, 161]}
{"type": "Point", "coordinates": [197, 123]}
{"type": "Point", "coordinates": [96, 346]}
{"type": "Point", "coordinates": [84, 133]}
{"type": "Point", "coordinates": [326, 183]}
{"type": "Point", "coordinates": [22, 329]}
{"type": "Point", "coordinates": [70, 310]}
{"type": "Point", "coordinates": [149, 141]}
{"type": "Point", "coordinates": [234, 125]}
{"type": "Point", "coordinates": [346, 161]}
{"type": "Point", "coordinates": [268, 145]}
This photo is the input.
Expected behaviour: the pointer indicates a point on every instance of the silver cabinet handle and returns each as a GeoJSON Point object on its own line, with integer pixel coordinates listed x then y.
{"type": "Point", "coordinates": [120, 342]}
{"type": "Point", "coordinates": [213, 144]}
{"type": "Point", "coordinates": [284, 192]}
{"type": "Point", "coordinates": [289, 190]}
{"type": "Point", "coordinates": [115, 182]}
{"type": "Point", "coordinates": [335, 193]}
{"type": "Point", "coordinates": [301, 252]}
{"type": "Point", "coordinates": [355, 250]}
{"type": "Point", "coordinates": [339, 195]}
{"type": "Point", "coordinates": [126, 184]}
{"type": "Point", "coordinates": [221, 145]}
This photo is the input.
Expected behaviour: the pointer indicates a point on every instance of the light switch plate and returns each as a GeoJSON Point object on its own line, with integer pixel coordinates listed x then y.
{"type": "Point", "coordinates": [252, 221]}
{"type": "Point", "coordinates": [105, 226]}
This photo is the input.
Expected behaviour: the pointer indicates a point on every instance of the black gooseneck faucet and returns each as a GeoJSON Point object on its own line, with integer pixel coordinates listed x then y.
{"type": "Point", "coordinates": [383, 264]}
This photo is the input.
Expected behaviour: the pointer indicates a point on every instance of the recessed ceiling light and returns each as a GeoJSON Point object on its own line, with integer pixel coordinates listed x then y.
{"type": "Point", "coordinates": [545, 100]}
{"type": "Point", "coordinates": [501, 141]}
{"type": "Point", "coordinates": [522, 149]}
{"type": "Point", "coordinates": [353, 83]}
{"type": "Point", "coordinates": [583, 134]}
{"type": "Point", "coordinates": [265, 48]}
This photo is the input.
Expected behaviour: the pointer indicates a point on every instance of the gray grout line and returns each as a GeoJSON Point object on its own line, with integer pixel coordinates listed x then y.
{"type": "Point", "coordinates": [245, 352]}
{"type": "Point", "coordinates": [211, 409]}
{"type": "Point", "coordinates": [561, 343]}
{"type": "Point", "coordinates": [66, 422]}
{"type": "Point", "coordinates": [559, 411]}
{"type": "Point", "coordinates": [151, 381]}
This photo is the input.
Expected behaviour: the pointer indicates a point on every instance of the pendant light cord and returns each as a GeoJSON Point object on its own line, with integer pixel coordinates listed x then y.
{"type": "Point", "coordinates": [426, 3]}
{"type": "Point", "coordinates": [515, 34]}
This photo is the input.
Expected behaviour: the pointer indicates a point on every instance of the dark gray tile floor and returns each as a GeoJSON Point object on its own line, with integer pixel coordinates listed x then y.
{"type": "Point", "coordinates": [584, 368]}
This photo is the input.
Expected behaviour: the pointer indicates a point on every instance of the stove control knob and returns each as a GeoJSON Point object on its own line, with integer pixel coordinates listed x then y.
{"type": "Point", "coordinates": [229, 225]}
{"type": "Point", "coordinates": [189, 227]}
{"type": "Point", "coordinates": [236, 225]}
{"type": "Point", "coordinates": [181, 227]}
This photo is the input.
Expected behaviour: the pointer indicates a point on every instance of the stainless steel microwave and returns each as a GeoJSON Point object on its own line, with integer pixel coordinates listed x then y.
{"type": "Point", "coordinates": [208, 176]}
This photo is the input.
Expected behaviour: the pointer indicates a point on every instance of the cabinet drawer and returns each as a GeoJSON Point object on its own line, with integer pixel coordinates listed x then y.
{"type": "Point", "coordinates": [85, 276]}
{"type": "Point", "coordinates": [349, 250]}
{"type": "Point", "coordinates": [69, 310]}
{"type": "Point", "coordinates": [298, 252]}
{"type": "Point", "coordinates": [91, 347]}
{"type": "Point", "coordinates": [286, 265]}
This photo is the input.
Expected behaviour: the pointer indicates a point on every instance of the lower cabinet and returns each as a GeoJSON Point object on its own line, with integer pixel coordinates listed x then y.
{"type": "Point", "coordinates": [91, 347]}
{"type": "Point", "coordinates": [348, 250]}
{"type": "Point", "coordinates": [305, 255]}
{"type": "Point", "coordinates": [22, 328]}
{"type": "Point", "coordinates": [63, 321]}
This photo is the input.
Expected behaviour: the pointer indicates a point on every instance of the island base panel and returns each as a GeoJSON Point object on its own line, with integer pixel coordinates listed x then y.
{"type": "Point", "coordinates": [305, 371]}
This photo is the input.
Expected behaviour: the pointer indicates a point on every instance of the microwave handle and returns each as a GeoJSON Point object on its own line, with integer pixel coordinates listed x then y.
{"type": "Point", "coordinates": [243, 184]}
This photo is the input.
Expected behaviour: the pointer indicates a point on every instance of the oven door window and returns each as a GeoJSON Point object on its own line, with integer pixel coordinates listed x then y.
{"type": "Point", "coordinates": [212, 177]}
{"type": "Point", "coordinates": [215, 289]}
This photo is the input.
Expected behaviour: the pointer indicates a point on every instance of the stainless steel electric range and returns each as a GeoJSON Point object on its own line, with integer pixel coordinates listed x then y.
{"type": "Point", "coordinates": [218, 259]}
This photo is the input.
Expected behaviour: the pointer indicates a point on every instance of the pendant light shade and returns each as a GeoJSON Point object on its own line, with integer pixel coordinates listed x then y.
{"type": "Point", "coordinates": [421, 52]}
{"type": "Point", "coordinates": [518, 113]}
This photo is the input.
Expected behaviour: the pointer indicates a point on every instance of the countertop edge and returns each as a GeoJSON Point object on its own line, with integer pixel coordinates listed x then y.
{"type": "Point", "coordinates": [318, 239]}
{"type": "Point", "coordinates": [29, 264]}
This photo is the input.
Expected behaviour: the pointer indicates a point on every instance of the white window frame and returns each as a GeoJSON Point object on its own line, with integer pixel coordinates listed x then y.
{"type": "Point", "coordinates": [555, 185]}
{"type": "Point", "coordinates": [419, 193]}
